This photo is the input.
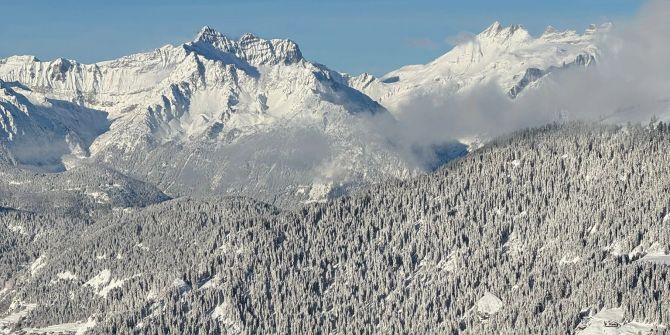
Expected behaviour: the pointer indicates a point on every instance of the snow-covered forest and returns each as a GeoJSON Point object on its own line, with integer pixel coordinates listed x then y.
{"type": "Point", "coordinates": [552, 230]}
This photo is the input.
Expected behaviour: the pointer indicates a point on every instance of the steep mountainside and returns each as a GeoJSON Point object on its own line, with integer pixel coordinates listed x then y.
{"type": "Point", "coordinates": [555, 230]}
{"type": "Point", "coordinates": [43, 132]}
{"type": "Point", "coordinates": [508, 58]}
{"type": "Point", "coordinates": [251, 116]}
{"type": "Point", "coordinates": [211, 116]}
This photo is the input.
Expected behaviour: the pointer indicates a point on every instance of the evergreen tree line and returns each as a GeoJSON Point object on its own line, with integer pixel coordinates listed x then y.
{"type": "Point", "coordinates": [552, 220]}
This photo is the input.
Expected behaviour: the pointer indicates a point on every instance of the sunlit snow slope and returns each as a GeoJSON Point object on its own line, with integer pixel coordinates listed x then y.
{"type": "Point", "coordinates": [211, 116]}
{"type": "Point", "coordinates": [507, 57]}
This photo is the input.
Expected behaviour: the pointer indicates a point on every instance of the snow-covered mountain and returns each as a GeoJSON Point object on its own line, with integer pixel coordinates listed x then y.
{"type": "Point", "coordinates": [507, 57]}
{"type": "Point", "coordinates": [214, 115]}
{"type": "Point", "coordinates": [252, 116]}
{"type": "Point", "coordinates": [43, 132]}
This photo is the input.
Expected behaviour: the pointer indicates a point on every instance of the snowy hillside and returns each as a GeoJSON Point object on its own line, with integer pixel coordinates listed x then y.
{"type": "Point", "coordinates": [556, 230]}
{"type": "Point", "coordinates": [42, 132]}
{"type": "Point", "coordinates": [507, 57]}
{"type": "Point", "coordinates": [211, 116]}
{"type": "Point", "coordinates": [81, 191]}
{"type": "Point", "coordinates": [252, 116]}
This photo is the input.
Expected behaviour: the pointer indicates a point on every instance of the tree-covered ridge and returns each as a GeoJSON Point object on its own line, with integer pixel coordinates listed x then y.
{"type": "Point", "coordinates": [550, 221]}
{"type": "Point", "coordinates": [81, 191]}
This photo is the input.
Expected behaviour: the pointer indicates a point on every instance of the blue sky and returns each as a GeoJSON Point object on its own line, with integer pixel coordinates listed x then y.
{"type": "Point", "coordinates": [352, 36]}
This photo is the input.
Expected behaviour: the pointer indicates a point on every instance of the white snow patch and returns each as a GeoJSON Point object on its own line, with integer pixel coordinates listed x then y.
{"type": "Point", "coordinates": [219, 311]}
{"type": "Point", "coordinates": [450, 264]}
{"type": "Point", "coordinates": [658, 259]}
{"type": "Point", "coordinates": [636, 252]}
{"type": "Point", "coordinates": [569, 259]}
{"type": "Point", "coordinates": [656, 254]}
{"type": "Point", "coordinates": [513, 246]}
{"type": "Point", "coordinates": [612, 314]}
{"type": "Point", "coordinates": [617, 325]}
{"type": "Point", "coordinates": [645, 251]}
{"type": "Point", "coordinates": [114, 283]}
{"type": "Point", "coordinates": [67, 275]}
{"type": "Point", "coordinates": [39, 263]}
{"type": "Point", "coordinates": [222, 314]}
{"type": "Point", "coordinates": [78, 328]}
{"type": "Point", "coordinates": [447, 264]}
{"type": "Point", "coordinates": [489, 304]}
{"type": "Point", "coordinates": [319, 192]}
{"type": "Point", "coordinates": [153, 294]}
{"type": "Point", "coordinates": [615, 249]}
{"type": "Point", "coordinates": [103, 283]}
{"type": "Point", "coordinates": [98, 281]}
{"type": "Point", "coordinates": [301, 189]}
{"type": "Point", "coordinates": [17, 229]}
{"type": "Point", "coordinates": [473, 142]}
{"type": "Point", "coordinates": [16, 316]}
{"type": "Point", "coordinates": [211, 283]}
{"type": "Point", "coordinates": [99, 197]}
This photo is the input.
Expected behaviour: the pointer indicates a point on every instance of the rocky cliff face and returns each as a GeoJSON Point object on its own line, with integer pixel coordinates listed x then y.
{"type": "Point", "coordinates": [217, 115]}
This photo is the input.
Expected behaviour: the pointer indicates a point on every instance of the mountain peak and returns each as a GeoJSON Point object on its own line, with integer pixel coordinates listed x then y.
{"type": "Point", "coordinates": [550, 30]}
{"type": "Point", "coordinates": [499, 33]}
{"type": "Point", "coordinates": [207, 30]}
{"type": "Point", "coordinates": [248, 37]}
{"type": "Point", "coordinates": [208, 34]}
{"type": "Point", "coordinates": [248, 47]}
{"type": "Point", "coordinates": [493, 29]}
{"type": "Point", "coordinates": [516, 27]}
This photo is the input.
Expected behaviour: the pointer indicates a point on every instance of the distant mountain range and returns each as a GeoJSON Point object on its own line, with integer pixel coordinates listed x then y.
{"type": "Point", "coordinates": [252, 116]}
{"type": "Point", "coordinates": [508, 57]}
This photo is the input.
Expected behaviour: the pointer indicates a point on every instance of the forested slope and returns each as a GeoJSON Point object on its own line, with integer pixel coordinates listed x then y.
{"type": "Point", "coordinates": [81, 191]}
{"type": "Point", "coordinates": [528, 235]}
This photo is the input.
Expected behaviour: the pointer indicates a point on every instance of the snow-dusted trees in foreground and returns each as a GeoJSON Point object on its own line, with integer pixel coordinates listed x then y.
{"type": "Point", "coordinates": [518, 237]}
